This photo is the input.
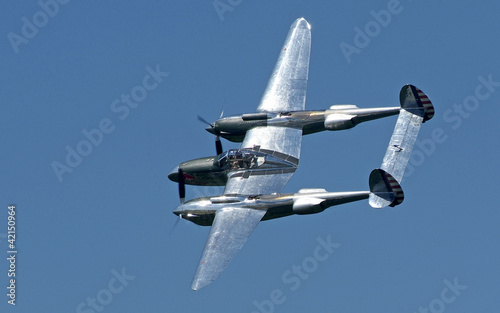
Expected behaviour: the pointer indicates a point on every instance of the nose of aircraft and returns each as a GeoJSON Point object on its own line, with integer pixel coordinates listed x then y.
{"type": "Point", "coordinates": [177, 212]}
{"type": "Point", "coordinates": [174, 174]}
{"type": "Point", "coordinates": [210, 129]}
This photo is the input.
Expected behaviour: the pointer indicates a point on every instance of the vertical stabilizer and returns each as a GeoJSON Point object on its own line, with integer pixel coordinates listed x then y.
{"type": "Point", "coordinates": [384, 190]}
{"type": "Point", "coordinates": [413, 98]}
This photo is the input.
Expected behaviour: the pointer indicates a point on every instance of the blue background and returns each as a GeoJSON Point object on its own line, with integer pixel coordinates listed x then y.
{"type": "Point", "coordinates": [113, 212]}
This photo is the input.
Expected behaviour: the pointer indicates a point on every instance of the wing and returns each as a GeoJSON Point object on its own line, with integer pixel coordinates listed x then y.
{"type": "Point", "coordinates": [230, 230]}
{"type": "Point", "coordinates": [281, 142]}
{"type": "Point", "coordinates": [286, 89]}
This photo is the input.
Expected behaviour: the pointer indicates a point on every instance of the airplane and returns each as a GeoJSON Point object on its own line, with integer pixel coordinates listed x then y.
{"type": "Point", "coordinates": [269, 156]}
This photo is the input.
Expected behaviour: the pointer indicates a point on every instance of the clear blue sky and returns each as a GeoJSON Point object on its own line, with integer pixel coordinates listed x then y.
{"type": "Point", "coordinates": [102, 228]}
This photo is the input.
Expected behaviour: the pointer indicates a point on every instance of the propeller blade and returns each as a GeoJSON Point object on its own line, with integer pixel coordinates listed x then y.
{"type": "Point", "coordinates": [218, 145]}
{"type": "Point", "coordinates": [175, 225]}
{"type": "Point", "coordinates": [201, 119]}
{"type": "Point", "coordinates": [182, 186]}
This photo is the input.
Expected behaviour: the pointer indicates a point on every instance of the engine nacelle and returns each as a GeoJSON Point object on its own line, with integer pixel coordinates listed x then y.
{"type": "Point", "coordinates": [305, 205]}
{"type": "Point", "coordinates": [339, 121]}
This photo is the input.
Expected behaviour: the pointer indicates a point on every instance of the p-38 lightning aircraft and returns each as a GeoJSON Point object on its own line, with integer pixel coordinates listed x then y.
{"type": "Point", "coordinates": [269, 155]}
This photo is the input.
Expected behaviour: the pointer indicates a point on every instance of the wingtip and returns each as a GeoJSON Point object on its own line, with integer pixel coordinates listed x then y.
{"type": "Point", "coordinates": [194, 286]}
{"type": "Point", "coordinates": [301, 23]}
{"type": "Point", "coordinates": [198, 284]}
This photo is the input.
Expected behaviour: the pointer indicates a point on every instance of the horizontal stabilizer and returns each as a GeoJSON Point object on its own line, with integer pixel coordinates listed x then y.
{"type": "Point", "coordinates": [384, 190]}
{"type": "Point", "coordinates": [403, 138]}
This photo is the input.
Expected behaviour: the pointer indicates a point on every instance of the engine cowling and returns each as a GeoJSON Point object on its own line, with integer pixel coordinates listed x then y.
{"type": "Point", "coordinates": [339, 121]}
{"type": "Point", "coordinates": [306, 205]}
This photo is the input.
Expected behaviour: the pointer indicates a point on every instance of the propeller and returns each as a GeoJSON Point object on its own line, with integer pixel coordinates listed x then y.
{"type": "Point", "coordinates": [182, 186]}
{"type": "Point", "coordinates": [175, 225]}
{"type": "Point", "coordinates": [218, 144]}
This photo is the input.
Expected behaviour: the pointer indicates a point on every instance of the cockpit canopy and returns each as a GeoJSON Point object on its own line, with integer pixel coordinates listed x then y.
{"type": "Point", "coordinates": [235, 159]}
{"type": "Point", "coordinates": [241, 159]}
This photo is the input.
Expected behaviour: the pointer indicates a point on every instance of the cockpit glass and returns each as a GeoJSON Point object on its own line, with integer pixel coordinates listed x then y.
{"type": "Point", "coordinates": [238, 159]}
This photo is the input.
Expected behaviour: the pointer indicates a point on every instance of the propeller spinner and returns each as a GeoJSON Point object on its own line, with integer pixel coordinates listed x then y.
{"type": "Point", "coordinates": [213, 130]}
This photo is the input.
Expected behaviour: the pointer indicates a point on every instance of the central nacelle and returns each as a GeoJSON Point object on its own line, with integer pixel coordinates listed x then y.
{"type": "Point", "coordinates": [241, 159]}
